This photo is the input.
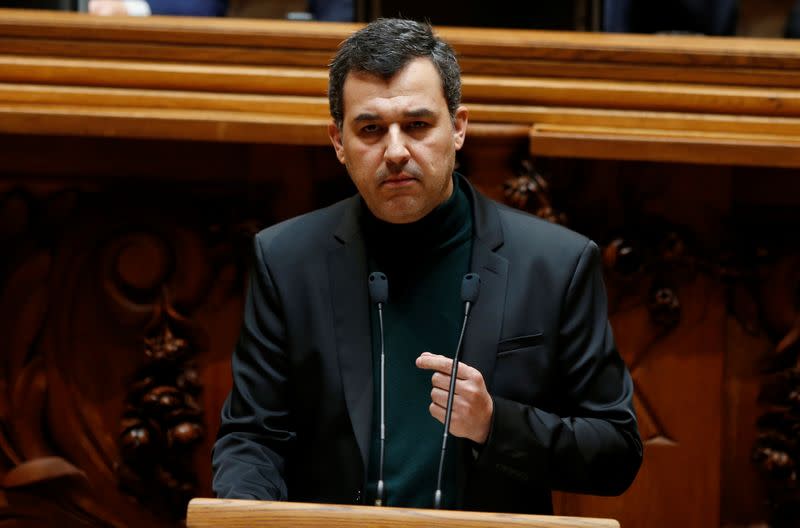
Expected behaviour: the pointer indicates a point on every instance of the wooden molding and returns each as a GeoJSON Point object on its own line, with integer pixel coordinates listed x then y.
{"type": "Point", "coordinates": [634, 97]}
{"type": "Point", "coordinates": [237, 513]}
{"type": "Point", "coordinates": [716, 148]}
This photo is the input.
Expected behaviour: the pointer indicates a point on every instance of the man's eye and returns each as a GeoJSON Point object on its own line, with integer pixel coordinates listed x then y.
{"type": "Point", "coordinates": [418, 124]}
{"type": "Point", "coordinates": [370, 129]}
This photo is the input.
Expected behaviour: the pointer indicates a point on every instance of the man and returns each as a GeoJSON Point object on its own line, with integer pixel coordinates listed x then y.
{"type": "Point", "coordinates": [542, 399]}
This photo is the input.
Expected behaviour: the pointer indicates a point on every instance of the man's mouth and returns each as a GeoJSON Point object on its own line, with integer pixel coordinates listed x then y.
{"type": "Point", "coordinates": [399, 180]}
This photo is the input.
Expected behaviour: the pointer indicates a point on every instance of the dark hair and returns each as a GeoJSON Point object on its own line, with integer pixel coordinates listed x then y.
{"type": "Point", "coordinates": [383, 48]}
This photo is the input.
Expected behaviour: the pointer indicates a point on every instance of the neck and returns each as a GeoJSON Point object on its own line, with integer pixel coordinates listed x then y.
{"type": "Point", "coordinates": [437, 230]}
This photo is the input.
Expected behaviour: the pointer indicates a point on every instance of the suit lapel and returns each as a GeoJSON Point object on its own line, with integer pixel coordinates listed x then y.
{"type": "Point", "coordinates": [486, 320]}
{"type": "Point", "coordinates": [348, 276]}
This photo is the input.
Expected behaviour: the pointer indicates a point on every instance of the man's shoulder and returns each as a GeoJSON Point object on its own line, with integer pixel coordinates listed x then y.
{"type": "Point", "coordinates": [520, 227]}
{"type": "Point", "coordinates": [308, 230]}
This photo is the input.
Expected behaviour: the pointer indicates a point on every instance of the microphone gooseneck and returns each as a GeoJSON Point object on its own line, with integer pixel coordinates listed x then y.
{"type": "Point", "coordinates": [379, 295]}
{"type": "Point", "coordinates": [470, 288]}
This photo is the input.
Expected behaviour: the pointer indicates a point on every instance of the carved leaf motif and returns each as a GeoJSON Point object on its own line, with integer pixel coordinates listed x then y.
{"type": "Point", "coordinates": [222, 286]}
{"type": "Point", "coordinates": [650, 427]}
{"type": "Point", "coordinates": [531, 192]}
{"type": "Point", "coordinates": [190, 283]}
{"type": "Point", "coordinates": [780, 295]}
{"type": "Point", "coordinates": [791, 341]}
{"type": "Point", "coordinates": [28, 396]}
{"type": "Point", "coordinates": [40, 470]}
{"type": "Point", "coordinates": [776, 451]}
{"type": "Point", "coordinates": [23, 307]}
{"type": "Point", "coordinates": [14, 215]}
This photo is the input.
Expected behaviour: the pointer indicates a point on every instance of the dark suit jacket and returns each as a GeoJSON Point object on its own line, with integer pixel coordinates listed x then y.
{"type": "Point", "coordinates": [792, 29]}
{"type": "Point", "coordinates": [188, 7]}
{"type": "Point", "coordinates": [297, 423]}
{"type": "Point", "coordinates": [709, 17]}
{"type": "Point", "coordinates": [332, 10]}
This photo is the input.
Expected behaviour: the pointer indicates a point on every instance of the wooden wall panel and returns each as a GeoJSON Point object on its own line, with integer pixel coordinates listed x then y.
{"type": "Point", "coordinates": [71, 244]}
{"type": "Point", "coordinates": [94, 267]}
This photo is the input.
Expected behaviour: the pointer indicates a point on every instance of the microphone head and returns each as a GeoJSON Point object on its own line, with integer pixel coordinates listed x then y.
{"type": "Point", "coordinates": [470, 287]}
{"type": "Point", "coordinates": [378, 287]}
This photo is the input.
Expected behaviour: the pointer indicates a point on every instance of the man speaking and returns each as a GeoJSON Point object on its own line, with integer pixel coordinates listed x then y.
{"type": "Point", "coordinates": [354, 313]}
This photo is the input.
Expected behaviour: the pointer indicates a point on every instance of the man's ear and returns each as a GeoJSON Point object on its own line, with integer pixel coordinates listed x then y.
{"type": "Point", "coordinates": [336, 139]}
{"type": "Point", "coordinates": [460, 126]}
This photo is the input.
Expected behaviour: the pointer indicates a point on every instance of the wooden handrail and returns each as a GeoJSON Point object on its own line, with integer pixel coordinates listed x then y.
{"type": "Point", "coordinates": [219, 513]}
{"type": "Point", "coordinates": [689, 52]}
{"type": "Point", "coordinates": [715, 148]}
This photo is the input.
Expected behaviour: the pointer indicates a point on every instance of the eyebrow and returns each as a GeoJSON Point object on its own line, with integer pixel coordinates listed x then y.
{"type": "Point", "coordinates": [419, 112]}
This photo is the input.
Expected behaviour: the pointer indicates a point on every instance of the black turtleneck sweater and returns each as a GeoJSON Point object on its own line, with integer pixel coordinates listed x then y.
{"type": "Point", "coordinates": [425, 262]}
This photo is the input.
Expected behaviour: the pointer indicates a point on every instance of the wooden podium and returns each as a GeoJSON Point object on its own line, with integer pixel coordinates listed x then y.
{"type": "Point", "coordinates": [208, 513]}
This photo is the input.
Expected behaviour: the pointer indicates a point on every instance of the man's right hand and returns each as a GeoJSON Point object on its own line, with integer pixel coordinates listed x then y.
{"type": "Point", "coordinates": [107, 7]}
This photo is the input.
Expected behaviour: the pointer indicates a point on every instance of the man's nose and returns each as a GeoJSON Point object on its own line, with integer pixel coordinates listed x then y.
{"type": "Point", "coordinates": [396, 148]}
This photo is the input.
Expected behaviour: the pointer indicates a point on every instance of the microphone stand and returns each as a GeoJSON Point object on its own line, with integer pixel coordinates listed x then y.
{"type": "Point", "coordinates": [470, 287]}
{"type": "Point", "coordinates": [379, 294]}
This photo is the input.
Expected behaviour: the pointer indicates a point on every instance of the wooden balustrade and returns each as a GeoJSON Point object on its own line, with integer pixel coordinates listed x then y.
{"type": "Point", "coordinates": [680, 99]}
{"type": "Point", "coordinates": [209, 513]}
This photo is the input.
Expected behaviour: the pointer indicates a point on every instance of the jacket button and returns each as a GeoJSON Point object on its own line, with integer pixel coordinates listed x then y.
{"type": "Point", "coordinates": [357, 497]}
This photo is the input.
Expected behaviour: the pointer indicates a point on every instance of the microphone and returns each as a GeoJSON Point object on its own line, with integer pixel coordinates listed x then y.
{"type": "Point", "coordinates": [379, 295]}
{"type": "Point", "coordinates": [470, 288]}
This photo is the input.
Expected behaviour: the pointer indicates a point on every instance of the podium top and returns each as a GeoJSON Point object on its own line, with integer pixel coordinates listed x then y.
{"type": "Point", "coordinates": [207, 513]}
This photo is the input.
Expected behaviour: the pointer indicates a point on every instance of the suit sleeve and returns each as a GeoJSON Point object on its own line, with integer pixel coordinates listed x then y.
{"type": "Point", "coordinates": [188, 7]}
{"type": "Point", "coordinates": [249, 456]}
{"type": "Point", "coordinates": [593, 446]}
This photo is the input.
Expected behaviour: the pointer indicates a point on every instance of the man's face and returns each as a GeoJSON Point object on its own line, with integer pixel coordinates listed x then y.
{"type": "Point", "coordinates": [398, 141]}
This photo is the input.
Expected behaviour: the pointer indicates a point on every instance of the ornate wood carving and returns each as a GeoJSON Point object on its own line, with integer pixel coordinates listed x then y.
{"type": "Point", "coordinates": [99, 387]}
{"type": "Point", "coordinates": [641, 269]}
{"type": "Point", "coordinates": [628, 263]}
{"type": "Point", "coordinates": [667, 309]}
{"type": "Point", "coordinates": [777, 448]}
{"type": "Point", "coordinates": [653, 265]}
{"type": "Point", "coordinates": [530, 192]}
{"type": "Point", "coordinates": [39, 482]}
{"type": "Point", "coordinates": [163, 420]}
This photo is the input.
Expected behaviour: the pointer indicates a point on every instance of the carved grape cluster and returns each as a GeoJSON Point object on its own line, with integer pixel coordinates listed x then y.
{"type": "Point", "coordinates": [531, 192]}
{"type": "Point", "coordinates": [161, 423]}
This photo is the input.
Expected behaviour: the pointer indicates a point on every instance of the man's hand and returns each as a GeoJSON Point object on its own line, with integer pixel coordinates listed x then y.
{"type": "Point", "coordinates": [107, 7]}
{"type": "Point", "coordinates": [472, 405]}
{"type": "Point", "coordinates": [119, 7]}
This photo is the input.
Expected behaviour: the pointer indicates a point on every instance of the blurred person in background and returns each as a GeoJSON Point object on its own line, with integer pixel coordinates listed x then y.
{"type": "Point", "coordinates": [158, 7]}
{"type": "Point", "coordinates": [323, 10]}
{"type": "Point", "coordinates": [793, 22]}
{"type": "Point", "coordinates": [706, 17]}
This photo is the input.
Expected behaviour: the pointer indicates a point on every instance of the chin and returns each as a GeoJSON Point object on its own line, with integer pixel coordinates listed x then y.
{"type": "Point", "coordinates": [401, 217]}
{"type": "Point", "coordinates": [401, 213]}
